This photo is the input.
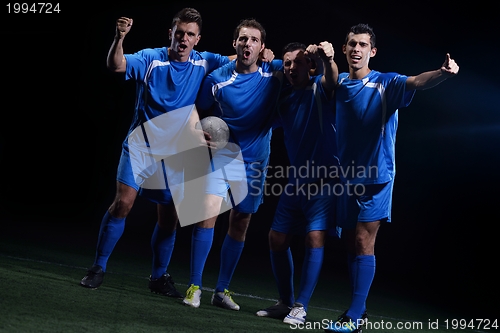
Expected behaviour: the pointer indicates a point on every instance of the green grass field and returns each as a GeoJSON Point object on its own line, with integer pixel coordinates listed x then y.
{"type": "Point", "coordinates": [40, 293]}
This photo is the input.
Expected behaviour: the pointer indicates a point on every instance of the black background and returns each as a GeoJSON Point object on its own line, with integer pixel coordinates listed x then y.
{"type": "Point", "coordinates": [64, 117]}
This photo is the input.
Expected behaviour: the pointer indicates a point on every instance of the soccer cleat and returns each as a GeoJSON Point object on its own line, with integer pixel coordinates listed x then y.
{"type": "Point", "coordinates": [344, 324]}
{"type": "Point", "coordinates": [164, 286]}
{"type": "Point", "coordinates": [193, 296]}
{"type": "Point", "coordinates": [94, 277]}
{"type": "Point", "coordinates": [277, 311]}
{"type": "Point", "coordinates": [224, 300]}
{"type": "Point", "coordinates": [297, 315]}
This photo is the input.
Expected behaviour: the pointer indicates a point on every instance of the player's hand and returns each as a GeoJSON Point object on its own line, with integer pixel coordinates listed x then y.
{"type": "Point", "coordinates": [325, 51]}
{"type": "Point", "coordinates": [123, 25]}
{"type": "Point", "coordinates": [312, 51]}
{"type": "Point", "coordinates": [207, 142]}
{"type": "Point", "coordinates": [202, 138]}
{"type": "Point", "coordinates": [449, 66]}
{"type": "Point", "coordinates": [267, 55]}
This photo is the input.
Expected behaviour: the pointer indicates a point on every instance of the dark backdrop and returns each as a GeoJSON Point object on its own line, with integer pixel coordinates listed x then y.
{"type": "Point", "coordinates": [64, 118]}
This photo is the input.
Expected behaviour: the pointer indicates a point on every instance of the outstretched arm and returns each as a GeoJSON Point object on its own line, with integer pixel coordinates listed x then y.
{"type": "Point", "coordinates": [430, 79]}
{"type": "Point", "coordinates": [327, 65]}
{"type": "Point", "coordinates": [116, 61]}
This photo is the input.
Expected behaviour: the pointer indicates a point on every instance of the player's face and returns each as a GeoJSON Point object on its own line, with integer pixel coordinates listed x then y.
{"type": "Point", "coordinates": [184, 37]}
{"type": "Point", "coordinates": [248, 46]}
{"type": "Point", "coordinates": [297, 67]}
{"type": "Point", "coordinates": [358, 51]}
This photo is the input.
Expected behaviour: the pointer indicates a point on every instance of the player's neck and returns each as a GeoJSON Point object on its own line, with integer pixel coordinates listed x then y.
{"type": "Point", "coordinates": [358, 73]}
{"type": "Point", "coordinates": [174, 56]}
{"type": "Point", "coordinates": [246, 69]}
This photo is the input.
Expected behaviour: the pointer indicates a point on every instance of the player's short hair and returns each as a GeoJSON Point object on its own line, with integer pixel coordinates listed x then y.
{"type": "Point", "coordinates": [250, 23]}
{"type": "Point", "coordinates": [293, 46]}
{"type": "Point", "coordinates": [362, 28]}
{"type": "Point", "coordinates": [187, 15]}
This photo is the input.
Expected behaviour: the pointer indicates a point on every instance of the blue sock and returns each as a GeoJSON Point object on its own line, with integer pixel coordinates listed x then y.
{"type": "Point", "coordinates": [364, 279]}
{"type": "Point", "coordinates": [229, 257]}
{"type": "Point", "coordinates": [282, 265]}
{"type": "Point", "coordinates": [109, 233]}
{"type": "Point", "coordinates": [311, 269]}
{"type": "Point", "coordinates": [162, 244]}
{"type": "Point", "coordinates": [201, 243]}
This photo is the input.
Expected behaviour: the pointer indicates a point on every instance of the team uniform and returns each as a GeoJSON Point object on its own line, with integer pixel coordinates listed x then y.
{"type": "Point", "coordinates": [247, 103]}
{"type": "Point", "coordinates": [308, 202]}
{"type": "Point", "coordinates": [163, 87]}
{"type": "Point", "coordinates": [367, 120]}
{"type": "Point", "coordinates": [308, 120]}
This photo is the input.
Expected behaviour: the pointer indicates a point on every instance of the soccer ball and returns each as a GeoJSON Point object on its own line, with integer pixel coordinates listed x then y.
{"type": "Point", "coordinates": [218, 130]}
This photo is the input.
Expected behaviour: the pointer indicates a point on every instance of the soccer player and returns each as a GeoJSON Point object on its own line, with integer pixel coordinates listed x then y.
{"type": "Point", "coordinates": [307, 204]}
{"type": "Point", "coordinates": [244, 94]}
{"type": "Point", "coordinates": [154, 70]}
{"type": "Point", "coordinates": [367, 103]}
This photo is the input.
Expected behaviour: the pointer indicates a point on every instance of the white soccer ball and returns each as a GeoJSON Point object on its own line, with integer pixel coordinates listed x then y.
{"type": "Point", "coordinates": [218, 130]}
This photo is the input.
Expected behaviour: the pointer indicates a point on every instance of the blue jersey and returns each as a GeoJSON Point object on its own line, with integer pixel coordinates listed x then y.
{"type": "Point", "coordinates": [308, 120]}
{"type": "Point", "coordinates": [163, 85]}
{"type": "Point", "coordinates": [367, 120]}
{"type": "Point", "coordinates": [246, 102]}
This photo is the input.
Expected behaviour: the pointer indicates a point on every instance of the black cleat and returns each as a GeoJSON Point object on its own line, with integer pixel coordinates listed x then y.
{"type": "Point", "coordinates": [94, 277]}
{"type": "Point", "coordinates": [164, 286]}
{"type": "Point", "coordinates": [277, 311]}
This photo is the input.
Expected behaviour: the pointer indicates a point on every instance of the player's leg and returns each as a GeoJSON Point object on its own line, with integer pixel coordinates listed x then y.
{"type": "Point", "coordinates": [201, 243]}
{"type": "Point", "coordinates": [162, 245]}
{"type": "Point", "coordinates": [374, 206]}
{"type": "Point", "coordinates": [239, 220]}
{"type": "Point", "coordinates": [113, 221]}
{"type": "Point", "coordinates": [287, 216]}
{"type": "Point", "coordinates": [110, 231]}
{"type": "Point", "coordinates": [364, 262]}
{"type": "Point", "coordinates": [283, 271]}
{"type": "Point", "coordinates": [318, 206]}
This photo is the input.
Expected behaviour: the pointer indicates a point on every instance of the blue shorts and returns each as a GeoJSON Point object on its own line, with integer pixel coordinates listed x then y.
{"type": "Point", "coordinates": [300, 212]}
{"type": "Point", "coordinates": [373, 204]}
{"type": "Point", "coordinates": [240, 183]}
{"type": "Point", "coordinates": [125, 175]}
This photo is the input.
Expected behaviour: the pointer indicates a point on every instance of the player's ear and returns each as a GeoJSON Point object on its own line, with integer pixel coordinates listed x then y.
{"type": "Point", "coordinates": [170, 34]}
{"type": "Point", "coordinates": [373, 52]}
{"type": "Point", "coordinates": [197, 39]}
{"type": "Point", "coordinates": [344, 49]}
{"type": "Point", "coordinates": [263, 46]}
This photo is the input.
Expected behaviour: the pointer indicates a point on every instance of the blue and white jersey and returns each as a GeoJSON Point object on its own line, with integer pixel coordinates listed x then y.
{"type": "Point", "coordinates": [367, 120]}
{"type": "Point", "coordinates": [308, 120]}
{"type": "Point", "coordinates": [246, 102]}
{"type": "Point", "coordinates": [163, 85]}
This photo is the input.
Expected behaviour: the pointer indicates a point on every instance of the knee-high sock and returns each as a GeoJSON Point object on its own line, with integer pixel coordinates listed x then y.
{"type": "Point", "coordinates": [364, 279]}
{"type": "Point", "coordinates": [230, 255]}
{"type": "Point", "coordinates": [109, 233]}
{"type": "Point", "coordinates": [311, 269]}
{"type": "Point", "coordinates": [162, 244]}
{"type": "Point", "coordinates": [201, 243]}
{"type": "Point", "coordinates": [282, 265]}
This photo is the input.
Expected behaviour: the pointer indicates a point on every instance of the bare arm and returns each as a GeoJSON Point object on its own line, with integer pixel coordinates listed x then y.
{"type": "Point", "coordinates": [327, 65]}
{"type": "Point", "coordinates": [116, 61]}
{"type": "Point", "coordinates": [430, 79]}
